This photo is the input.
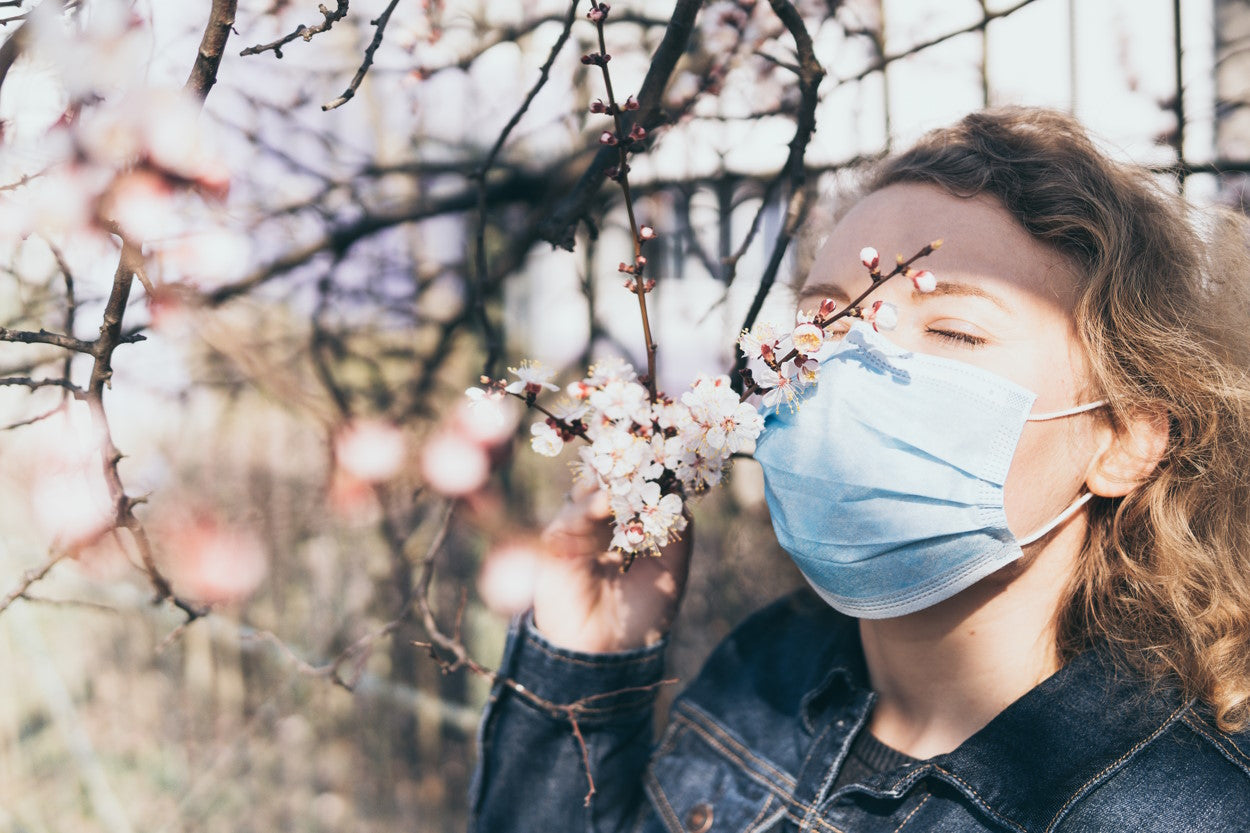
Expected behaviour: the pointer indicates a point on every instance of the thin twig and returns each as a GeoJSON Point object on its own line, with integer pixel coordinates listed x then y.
{"type": "Point", "coordinates": [379, 24]}
{"type": "Point", "coordinates": [35, 384]}
{"type": "Point", "coordinates": [559, 226]}
{"type": "Point", "coordinates": [29, 578]}
{"type": "Point", "coordinates": [490, 333]}
{"type": "Point", "coordinates": [331, 16]}
{"type": "Point", "coordinates": [886, 60]}
{"type": "Point", "coordinates": [625, 142]}
{"type": "Point", "coordinates": [22, 423]}
{"type": "Point", "coordinates": [67, 342]}
{"type": "Point", "coordinates": [23, 180]}
{"type": "Point", "coordinates": [810, 75]}
{"type": "Point", "coordinates": [71, 303]}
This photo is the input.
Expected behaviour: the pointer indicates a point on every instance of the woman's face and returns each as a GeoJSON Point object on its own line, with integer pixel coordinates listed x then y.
{"type": "Point", "coordinates": [1004, 302]}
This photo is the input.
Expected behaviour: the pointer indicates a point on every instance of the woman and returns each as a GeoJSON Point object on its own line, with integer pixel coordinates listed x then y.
{"type": "Point", "coordinates": [1024, 517]}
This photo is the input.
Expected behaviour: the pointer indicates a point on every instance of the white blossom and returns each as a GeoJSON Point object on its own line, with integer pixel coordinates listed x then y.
{"type": "Point", "coordinates": [807, 338]}
{"type": "Point", "coordinates": [611, 369]}
{"type": "Point", "coordinates": [757, 339]}
{"type": "Point", "coordinates": [546, 440]}
{"type": "Point", "coordinates": [532, 377]}
{"type": "Point", "coordinates": [622, 400]}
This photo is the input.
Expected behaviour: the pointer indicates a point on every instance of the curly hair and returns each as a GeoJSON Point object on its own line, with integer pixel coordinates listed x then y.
{"type": "Point", "coordinates": [1164, 575]}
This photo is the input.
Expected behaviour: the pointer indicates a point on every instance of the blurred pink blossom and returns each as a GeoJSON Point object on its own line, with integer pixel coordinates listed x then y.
{"type": "Point", "coordinates": [141, 203]}
{"type": "Point", "coordinates": [371, 450]}
{"type": "Point", "coordinates": [506, 582]}
{"type": "Point", "coordinates": [70, 501]}
{"type": "Point", "coordinates": [487, 420]}
{"type": "Point", "coordinates": [452, 464]}
{"type": "Point", "coordinates": [210, 560]}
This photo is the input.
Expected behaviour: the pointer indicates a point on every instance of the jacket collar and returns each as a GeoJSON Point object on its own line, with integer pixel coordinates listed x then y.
{"type": "Point", "coordinates": [1056, 742]}
{"type": "Point", "coordinates": [1061, 739]}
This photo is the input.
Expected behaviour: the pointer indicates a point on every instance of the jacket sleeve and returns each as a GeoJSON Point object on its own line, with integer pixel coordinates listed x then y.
{"type": "Point", "coordinates": [530, 774]}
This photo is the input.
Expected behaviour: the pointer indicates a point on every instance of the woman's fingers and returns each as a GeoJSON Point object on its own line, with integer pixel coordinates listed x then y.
{"type": "Point", "coordinates": [582, 527]}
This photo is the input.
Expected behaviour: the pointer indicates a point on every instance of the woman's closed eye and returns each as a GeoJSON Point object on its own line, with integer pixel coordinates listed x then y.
{"type": "Point", "coordinates": [958, 337]}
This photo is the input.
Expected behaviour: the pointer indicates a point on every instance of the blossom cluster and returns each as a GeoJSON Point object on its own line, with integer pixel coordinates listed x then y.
{"type": "Point", "coordinates": [648, 455]}
{"type": "Point", "coordinates": [783, 364]}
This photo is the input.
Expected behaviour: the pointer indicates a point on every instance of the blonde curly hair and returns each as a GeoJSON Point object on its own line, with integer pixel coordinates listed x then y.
{"type": "Point", "coordinates": [1164, 577]}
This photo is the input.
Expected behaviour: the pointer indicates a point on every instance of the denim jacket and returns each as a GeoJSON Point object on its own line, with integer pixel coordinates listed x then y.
{"type": "Point", "coordinates": [756, 741]}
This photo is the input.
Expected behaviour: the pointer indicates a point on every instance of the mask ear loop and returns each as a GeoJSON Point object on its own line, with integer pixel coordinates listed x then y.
{"type": "Point", "coordinates": [1060, 518]}
{"type": "Point", "coordinates": [1082, 499]}
{"type": "Point", "coordinates": [1077, 409]}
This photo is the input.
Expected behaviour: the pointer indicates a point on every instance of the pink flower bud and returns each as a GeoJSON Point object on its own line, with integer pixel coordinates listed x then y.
{"type": "Point", "coordinates": [924, 281]}
{"type": "Point", "coordinates": [596, 15]}
{"type": "Point", "coordinates": [827, 308]}
{"type": "Point", "coordinates": [634, 533]}
{"type": "Point", "coordinates": [597, 106]}
{"type": "Point", "coordinates": [638, 133]}
{"type": "Point", "coordinates": [626, 268]}
{"type": "Point", "coordinates": [631, 103]}
{"type": "Point", "coordinates": [648, 284]}
{"type": "Point", "coordinates": [869, 257]}
{"type": "Point", "coordinates": [640, 262]}
{"type": "Point", "coordinates": [646, 233]}
{"type": "Point", "coordinates": [607, 138]}
{"type": "Point", "coordinates": [883, 316]}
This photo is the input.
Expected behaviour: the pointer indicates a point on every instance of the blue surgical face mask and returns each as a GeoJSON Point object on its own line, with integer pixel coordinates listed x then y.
{"type": "Point", "coordinates": [886, 485]}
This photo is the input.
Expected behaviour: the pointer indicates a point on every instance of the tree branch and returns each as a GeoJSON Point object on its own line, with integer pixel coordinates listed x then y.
{"type": "Point", "coordinates": [481, 270]}
{"type": "Point", "coordinates": [379, 24]}
{"type": "Point", "coordinates": [559, 227]}
{"type": "Point", "coordinates": [302, 31]}
{"type": "Point", "coordinates": [29, 578]}
{"type": "Point", "coordinates": [33, 384]}
{"type": "Point", "coordinates": [44, 337]}
{"type": "Point", "coordinates": [212, 47]}
{"type": "Point", "coordinates": [810, 75]}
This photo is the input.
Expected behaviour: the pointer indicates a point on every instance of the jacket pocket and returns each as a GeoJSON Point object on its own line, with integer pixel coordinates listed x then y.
{"type": "Point", "coordinates": [701, 780]}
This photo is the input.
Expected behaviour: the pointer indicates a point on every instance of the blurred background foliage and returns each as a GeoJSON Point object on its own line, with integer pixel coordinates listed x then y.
{"type": "Point", "coordinates": [287, 390]}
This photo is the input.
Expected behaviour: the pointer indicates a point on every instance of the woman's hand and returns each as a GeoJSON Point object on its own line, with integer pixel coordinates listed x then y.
{"type": "Point", "coordinates": [582, 600]}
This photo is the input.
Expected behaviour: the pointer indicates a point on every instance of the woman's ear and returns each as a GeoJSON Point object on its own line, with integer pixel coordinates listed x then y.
{"type": "Point", "coordinates": [1127, 454]}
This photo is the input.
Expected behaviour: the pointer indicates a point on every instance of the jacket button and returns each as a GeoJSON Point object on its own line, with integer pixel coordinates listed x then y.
{"type": "Point", "coordinates": [699, 819]}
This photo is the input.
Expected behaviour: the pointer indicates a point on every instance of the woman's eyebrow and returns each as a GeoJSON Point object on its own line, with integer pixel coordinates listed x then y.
{"type": "Point", "coordinates": [824, 290]}
{"type": "Point", "coordinates": [962, 290]}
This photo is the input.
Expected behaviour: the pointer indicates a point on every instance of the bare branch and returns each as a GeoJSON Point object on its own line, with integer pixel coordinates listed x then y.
{"type": "Point", "coordinates": [212, 47]}
{"type": "Point", "coordinates": [33, 384]}
{"type": "Point", "coordinates": [560, 225]}
{"type": "Point", "coordinates": [339, 240]}
{"type": "Point", "coordinates": [13, 186]}
{"type": "Point", "coordinates": [490, 333]}
{"type": "Point", "coordinates": [885, 61]}
{"type": "Point", "coordinates": [44, 337]}
{"type": "Point", "coordinates": [29, 578]}
{"type": "Point", "coordinates": [810, 75]}
{"type": "Point", "coordinates": [22, 423]}
{"type": "Point", "coordinates": [379, 24]}
{"type": "Point", "coordinates": [11, 49]}
{"type": "Point", "coordinates": [302, 31]}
